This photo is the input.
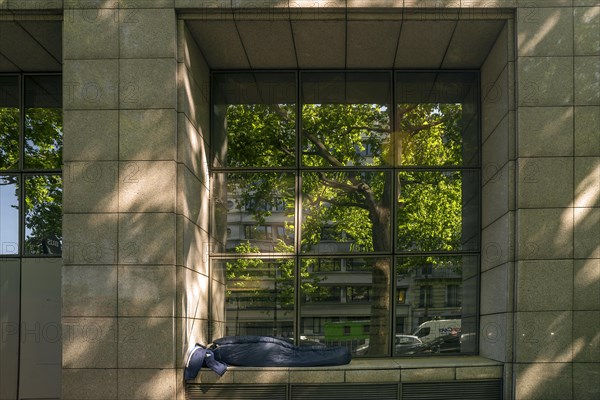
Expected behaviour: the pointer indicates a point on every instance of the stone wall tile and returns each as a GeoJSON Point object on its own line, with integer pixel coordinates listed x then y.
{"type": "Point", "coordinates": [586, 336]}
{"type": "Point", "coordinates": [90, 4]}
{"type": "Point", "coordinates": [494, 150]}
{"type": "Point", "coordinates": [586, 284]}
{"type": "Point", "coordinates": [146, 343]}
{"type": "Point", "coordinates": [89, 342]}
{"type": "Point", "coordinates": [495, 62]}
{"type": "Point", "coordinates": [587, 232]}
{"type": "Point", "coordinates": [147, 290]}
{"type": "Point", "coordinates": [495, 340]}
{"type": "Point", "coordinates": [189, 200]}
{"type": "Point", "coordinates": [587, 182]}
{"type": "Point", "coordinates": [587, 28]}
{"type": "Point", "coordinates": [543, 381]}
{"type": "Point", "coordinates": [147, 134]}
{"type": "Point", "coordinates": [479, 372]}
{"type": "Point", "coordinates": [545, 131]}
{"type": "Point", "coordinates": [267, 376]}
{"type": "Point", "coordinates": [427, 374]}
{"type": "Point", "coordinates": [545, 31]}
{"type": "Point", "coordinates": [317, 376]}
{"type": "Point", "coordinates": [132, 4]}
{"type": "Point", "coordinates": [497, 243]}
{"type": "Point", "coordinates": [147, 33]}
{"type": "Point", "coordinates": [147, 83]}
{"type": "Point", "coordinates": [89, 384]}
{"type": "Point", "coordinates": [189, 332]}
{"type": "Point", "coordinates": [586, 381]}
{"type": "Point", "coordinates": [587, 126]}
{"type": "Point", "coordinates": [195, 247]}
{"type": "Point", "coordinates": [89, 290]}
{"type": "Point", "coordinates": [147, 238]}
{"type": "Point", "coordinates": [35, 5]}
{"type": "Point", "coordinates": [587, 80]}
{"type": "Point", "coordinates": [496, 195]}
{"type": "Point", "coordinates": [90, 239]}
{"type": "Point", "coordinates": [545, 81]}
{"type": "Point", "coordinates": [192, 150]}
{"type": "Point", "coordinates": [147, 186]}
{"type": "Point", "coordinates": [147, 384]}
{"type": "Point", "coordinates": [545, 182]}
{"type": "Point", "coordinates": [91, 33]}
{"type": "Point", "coordinates": [544, 233]}
{"type": "Point", "coordinates": [545, 285]}
{"type": "Point", "coordinates": [544, 336]}
{"type": "Point", "coordinates": [192, 294]}
{"type": "Point", "coordinates": [92, 135]}
{"type": "Point", "coordinates": [90, 84]}
{"type": "Point", "coordinates": [90, 187]}
{"type": "Point", "coordinates": [495, 285]}
{"type": "Point", "coordinates": [496, 104]}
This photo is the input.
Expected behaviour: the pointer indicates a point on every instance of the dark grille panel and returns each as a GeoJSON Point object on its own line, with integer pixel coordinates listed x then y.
{"type": "Point", "coordinates": [345, 392]}
{"type": "Point", "coordinates": [458, 390]}
{"type": "Point", "coordinates": [454, 390]}
{"type": "Point", "coordinates": [235, 392]}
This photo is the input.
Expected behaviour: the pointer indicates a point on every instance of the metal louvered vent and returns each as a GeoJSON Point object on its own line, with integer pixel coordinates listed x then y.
{"type": "Point", "coordinates": [344, 392]}
{"type": "Point", "coordinates": [457, 390]}
{"type": "Point", "coordinates": [235, 392]}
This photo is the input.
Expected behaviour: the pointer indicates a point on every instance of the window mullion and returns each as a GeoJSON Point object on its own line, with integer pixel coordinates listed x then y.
{"type": "Point", "coordinates": [298, 215]}
{"type": "Point", "coordinates": [21, 165]}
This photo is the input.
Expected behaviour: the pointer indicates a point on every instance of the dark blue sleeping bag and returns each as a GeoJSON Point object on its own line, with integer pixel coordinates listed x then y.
{"type": "Point", "coordinates": [265, 351]}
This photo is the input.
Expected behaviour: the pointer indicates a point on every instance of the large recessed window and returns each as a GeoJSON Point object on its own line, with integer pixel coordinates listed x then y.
{"type": "Point", "coordinates": [346, 208]}
{"type": "Point", "coordinates": [30, 164]}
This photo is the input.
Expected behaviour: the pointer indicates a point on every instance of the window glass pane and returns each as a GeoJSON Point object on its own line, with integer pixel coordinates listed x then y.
{"type": "Point", "coordinates": [9, 214]}
{"type": "Point", "coordinates": [436, 119]}
{"type": "Point", "coordinates": [43, 215]}
{"type": "Point", "coordinates": [43, 122]}
{"type": "Point", "coordinates": [346, 212]}
{"type": "Point", "coordinates": [433, 310]}
{"type": "Point", "coordinates": [438, 211]}
{"type": "Point", "coordinates": [345, 119]}
{"type": "Point", "coordinates": [261, 213]}
{"type": "Point", "coordinates": [9, 122]}
{"type": "Point", "coordinates": [364, 191]}
{"type": "Point", "coordinates": [259, 296]}
{"type": "Point", "coordinates": [254, 119]}
{"type": "Point", "coordinates": [354, 306]}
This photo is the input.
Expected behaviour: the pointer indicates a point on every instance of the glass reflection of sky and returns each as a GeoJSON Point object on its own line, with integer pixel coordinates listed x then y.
{"type": "Point", "coordinates": [9, 217]}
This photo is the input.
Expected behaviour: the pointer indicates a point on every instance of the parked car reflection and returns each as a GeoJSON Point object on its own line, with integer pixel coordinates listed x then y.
{"type": "Point", "coordinates": [441, 345]}
{"type": "Point", "coordinates": [404, 344]}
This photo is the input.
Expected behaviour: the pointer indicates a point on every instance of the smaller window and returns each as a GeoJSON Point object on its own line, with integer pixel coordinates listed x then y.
{"type": "Point", "coordinates": [401, 295]}
{"type": "Point", "coordinates": [425, 296]}
{"type": "Point", "coordinates": [400, 325]}
{"type": "Point", "coordinates": [426, 269]}
{"type": "Point", "coordinates": [453, 296]}
{"type": "Point", "coordinates": [357, 294]}
{"type": "Point", "coordinates": [325, 294]}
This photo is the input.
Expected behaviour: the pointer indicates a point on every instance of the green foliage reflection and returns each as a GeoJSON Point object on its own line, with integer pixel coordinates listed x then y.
{"type": "Point", "coordinates": [353, 205]}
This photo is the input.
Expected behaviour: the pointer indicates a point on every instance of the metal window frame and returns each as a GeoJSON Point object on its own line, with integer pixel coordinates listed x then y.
{"type": "Point", "coordinates": [21, 172]}
{"type": "Point", "coordinates": [298, 169]}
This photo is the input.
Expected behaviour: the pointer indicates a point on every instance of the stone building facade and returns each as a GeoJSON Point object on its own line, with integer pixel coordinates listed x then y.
{"type": "Point", "coordinates": [137, 188]}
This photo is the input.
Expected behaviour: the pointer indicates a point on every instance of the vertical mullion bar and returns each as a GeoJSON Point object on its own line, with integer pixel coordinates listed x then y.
{"type": "Point", "coordinates": [394, 193]}
{"type": "Point", "coordinates": [207, 246]}
{"type": "Point", "coordinates": [21, 165]}
{"type": "Point", "coordinates": [298, 214]}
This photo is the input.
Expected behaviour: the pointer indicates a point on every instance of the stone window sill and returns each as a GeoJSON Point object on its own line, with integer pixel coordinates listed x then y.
{"type": "Point", "coordinates": [365, 371]}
